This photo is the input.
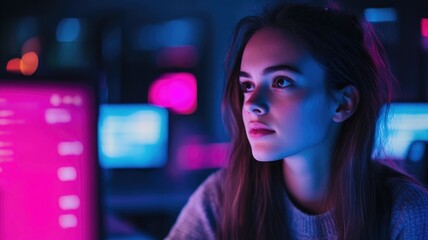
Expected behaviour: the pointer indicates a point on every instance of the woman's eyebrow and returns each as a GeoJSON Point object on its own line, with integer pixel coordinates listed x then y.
{"type": "Point", "coordinates": [271, 69]}
{"type": "Point", "coordinates": [244, 74]}
{"type": "Point", "coordinates": [282, 67]}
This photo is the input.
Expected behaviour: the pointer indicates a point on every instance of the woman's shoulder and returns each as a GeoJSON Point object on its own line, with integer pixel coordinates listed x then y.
{"type": "Point", "coordinates": [405, 190]}
{"type": "Point", "coordinates": [209, 192]}
{"type": "Point", "coordinates": [409, 217]}
{"type": "Point", "coordinates": [408, 194]}
{"type": "Point", "coordinates": [198, 219]}
{"type": "Point", "coordinates": [216, 178]}
{"type": "Point", "coordinates": [212, 187]}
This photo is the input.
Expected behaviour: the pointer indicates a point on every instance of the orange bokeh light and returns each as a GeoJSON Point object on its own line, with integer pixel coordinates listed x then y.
{"type": "Point", "coordinates": [14, 65]}
{"type": "Point", "coordinates": [29, 63]}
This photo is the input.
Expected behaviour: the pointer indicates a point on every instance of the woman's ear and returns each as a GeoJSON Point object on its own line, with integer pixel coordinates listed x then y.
{"type": "Point", "coordinates": [348, 99]}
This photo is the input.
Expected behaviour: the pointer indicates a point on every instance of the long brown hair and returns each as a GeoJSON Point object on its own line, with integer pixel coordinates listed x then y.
{"type": "Point", "coordinates": [252, 202]}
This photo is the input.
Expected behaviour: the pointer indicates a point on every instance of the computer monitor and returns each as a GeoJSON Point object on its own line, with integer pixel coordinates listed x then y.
{"type": "Point", "coordinates": [133, 136]}
{"type": "Point", "coordinates": [48, 166]}
{"type": "Point", "coordinates": [397, 130]}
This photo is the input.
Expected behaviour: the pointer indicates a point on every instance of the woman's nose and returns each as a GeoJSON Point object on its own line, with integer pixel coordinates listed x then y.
{"type": "Point", "coordinates": [257, 103]}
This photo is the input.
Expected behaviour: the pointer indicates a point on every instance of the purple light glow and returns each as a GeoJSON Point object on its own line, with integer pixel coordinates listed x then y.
{"type": "Point", "coordinates": [176, 91]}
{"type": "Point", "coordinates": [181, 57]}
{"type": "Point", "coordinates": [193, 156]}
{"type": "Point", "coordinates": [31, 45]}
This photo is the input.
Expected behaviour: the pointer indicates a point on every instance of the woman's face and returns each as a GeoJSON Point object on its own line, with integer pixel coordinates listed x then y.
{"type": "Point", "coordinates": [287, 110]}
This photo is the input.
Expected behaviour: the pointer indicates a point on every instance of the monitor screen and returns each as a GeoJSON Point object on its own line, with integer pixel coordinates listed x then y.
{"type": "Point", "coordinates": [47, 161]}
{"type": "Point", "coordinates": [405, 123]}
{"type": "Point", "coordinates": [133, 136]}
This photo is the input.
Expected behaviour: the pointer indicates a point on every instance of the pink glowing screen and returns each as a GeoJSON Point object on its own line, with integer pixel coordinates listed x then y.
{"type": "Point", "coordinates": [424, 27]}
{"type": "Point", "coordinates": [47, 168]}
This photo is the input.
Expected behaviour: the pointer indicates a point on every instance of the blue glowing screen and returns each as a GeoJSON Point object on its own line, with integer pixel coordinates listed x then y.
{"type": "Point", "coordinates": [376, 15]}
{"type": "Point", "coordinates": [405, 123]}
{"type": "Point", "coordinates": [132, 136]}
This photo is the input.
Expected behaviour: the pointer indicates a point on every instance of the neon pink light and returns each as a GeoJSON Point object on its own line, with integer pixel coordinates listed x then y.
{"type": "Point", "coordinates": [46, 168]}
{"type": "Point", "coordinates": [424, 27]}
{"type": "Point", "coordinates": [176, 91]}
{"type": "Point", "coordinates": [194, 156]}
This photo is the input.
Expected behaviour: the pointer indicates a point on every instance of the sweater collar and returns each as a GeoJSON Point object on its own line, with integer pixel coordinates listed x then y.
{"type": "Point", "coordinates": [308, 225]}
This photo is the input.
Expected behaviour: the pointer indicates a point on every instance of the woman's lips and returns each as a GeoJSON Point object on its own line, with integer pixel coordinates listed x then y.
{"type": "Point", "coordinates": [260, 132]}
{"type": "Point", "coordinates": [258, 129]}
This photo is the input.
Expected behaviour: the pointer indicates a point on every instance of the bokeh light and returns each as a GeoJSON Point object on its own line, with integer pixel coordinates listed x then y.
{"type": "Point", "coordinates": [376, 15]}
{"type": "Point", "coordinates": [14, 65]}
{"type": "Point", "coordinates": [29, 63]}
{"type": "Point", "coordinates": [68, 30]}
{"type": "Point", "coordinates": [31, 45]}
{"type": "Point", "coordinates": [176, 91]}
{"type": "Point", "coordinates": [424, 27]}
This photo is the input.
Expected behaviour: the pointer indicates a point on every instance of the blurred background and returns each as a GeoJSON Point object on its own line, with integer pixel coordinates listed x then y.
{"type": "Point", "coordinates": [129, 92]}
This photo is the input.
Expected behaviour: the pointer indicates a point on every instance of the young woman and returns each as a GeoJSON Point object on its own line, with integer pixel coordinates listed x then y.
{"type": "Point", "coordinates": [305, 87]}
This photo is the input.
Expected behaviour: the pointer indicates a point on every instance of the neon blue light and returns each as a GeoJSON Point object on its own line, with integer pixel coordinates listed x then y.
{"type": "Point", "coordinates": [406, 122]}
{"type": "Point", "coordinates": [132, 136]}
{"type": "Point", "coordinates": [68, 30]}
{"type": "Point", "coordinates": [380, 15]}
{"type": "Point", "coordinates": [173, 33]}
{"type": "Point", "coordinates": [178, 33]}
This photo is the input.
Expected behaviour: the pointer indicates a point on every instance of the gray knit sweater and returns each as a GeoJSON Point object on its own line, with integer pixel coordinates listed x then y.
{"type": "Point", "coordinates": [198, 219]}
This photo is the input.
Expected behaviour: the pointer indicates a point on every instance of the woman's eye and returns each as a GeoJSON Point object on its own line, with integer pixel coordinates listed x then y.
{"type": "Point", "coordinates": [246, 87]}
{"type": "Point", "coordinates": [282, 82]}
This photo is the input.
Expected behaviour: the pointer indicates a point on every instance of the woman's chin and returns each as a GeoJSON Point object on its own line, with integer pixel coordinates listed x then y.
{"type": "Point", "coordinates": [264, 157]}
